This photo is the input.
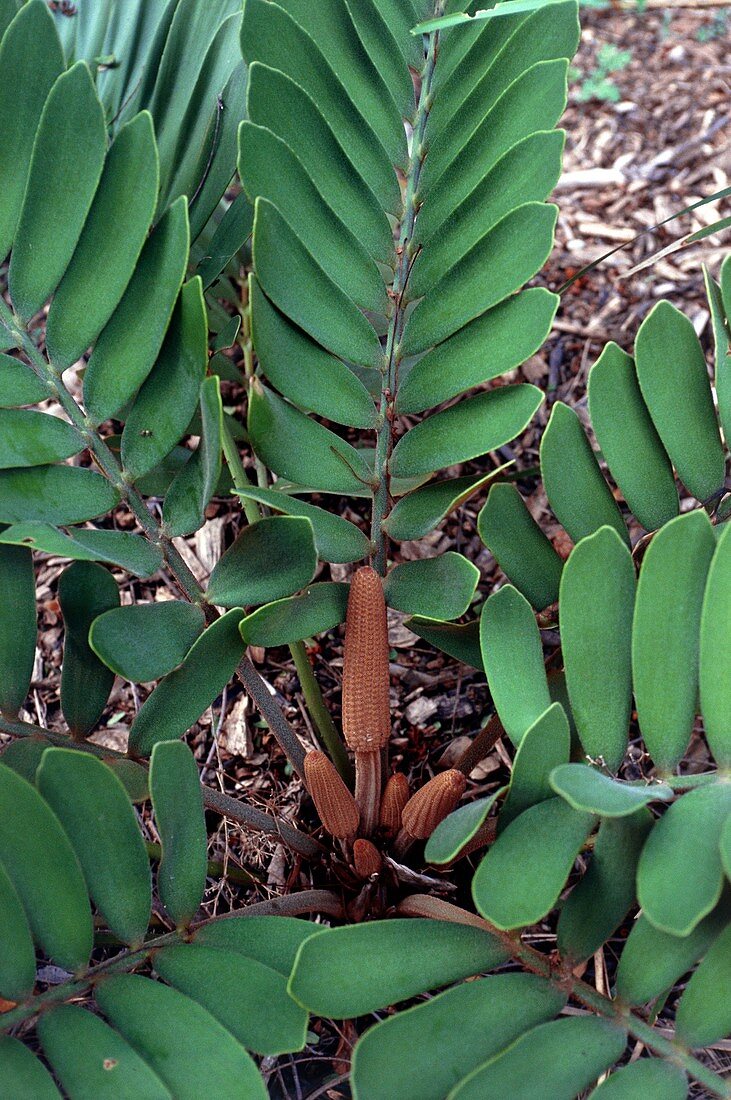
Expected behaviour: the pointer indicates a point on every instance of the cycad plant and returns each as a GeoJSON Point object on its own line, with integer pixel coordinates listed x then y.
{"type": "Point", "coordinates": [396, 185]}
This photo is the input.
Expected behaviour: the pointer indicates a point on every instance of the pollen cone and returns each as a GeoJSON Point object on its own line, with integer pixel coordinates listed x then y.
{"type": "Point", "coordinates": [395, 797]}
{"type": "Point", "coordinates": [432, 803]}
{"type": "Point", "coordinates": [334, 803]}
{"type": "Point", "coordinates": [367, 860]}
{"type": "Point", "coordinates": [366, 706]}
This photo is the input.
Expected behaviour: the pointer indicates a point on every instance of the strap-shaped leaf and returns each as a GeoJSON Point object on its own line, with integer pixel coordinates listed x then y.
{"type": "Point", "coordinates": [647, 1079]}
{"type": "Point", "coordinates": [127, 349]}
{"type": "Point", "coordinates": [67, 161]}
{"type": "Point", "coordinates": [526, 173]}
{"type": "Point", "coordinates": [577, 492]}
{"type": "Point", "coordinates": [521, 549]}
{"type": "Point", "coordinates": [31, 59]}
{"type": "Point", "coordinates": [420, 511]}
{"type": "Point", "coordinates": [599, 903]}
{"type": "Point", "coordinates": [336, 539]}
{"type": "Point", "coordinates": [595, 605]}
{"type": "Point", "coordinates": [17, 954]}
{"type": "Point", "coordinates": [97, 816]}
{"type": "Point", "coordinates": [329, 315]}
{"type": "Point", "coordinates": [183, 83]}
{"type": "Point", "coordinates": [420, 1055]}
{"type": "Point", "coordinates": [513, 657]}
{"type": "Point", "coordinates": [179, 700]}
{"type": "Point", "coordinates": [534, 102]}
{"type": "Point", "coordinates": [665, 634]}
{"type": "Point", "coordinates": [723, 358]}
{"type": "Point", "coordinates": [23, 1074]}
{"type": "Point", "coordinates": [325, 158]}
{"type": "Point", "coordinates": [518, 246]}
{"type": "Point", "coordinates": [109, 246]}
{"type": "Point", "coordinates": [247, 997]}
{"type": "Point", "coordinates": [54, 494]}
{"type": "Point", "coordinates": [232, 233]}
{"type": "Point", "coordinates": [19, 385]}
{"type": "Point", "coordinates": [670, 363]}
{"type": "Point", "coordinates": [301, 450]}
{"type": "Point", "coordinates": [269, 559]}
{"type": "Point", "coordinates": [269, 168]}
{"type": "Point", "coordinates": [304, 371]}
{"type": "Point", "coordinates": [18, 629]}
{"type": "Point", "coordinates": [319, 608]}
{"type": "Point", "coordinates": [459, 640]}
{"type": "Point", "coordinates": [204, 168]}
{"type": "Point", "coordinates": [458, 829]}
{"type": "Point", "coordinates": [29, 438]}
{"type": "Point", "coordinates": [166, 402]}
{"type": "Point", "coordinates": [329, 110]}
{"type": "Point", "coordinates": [45, 871]}
{"type": "Point", "coordinates": [571, 1053]}
{"type": "Point", "coordinates": [334, 974]}
{"type": "Point", "coordinates": [652, 961]}
{"type": "Point", "coordinates": [131, 552]}
{"type": "Point", "coordinates": [440, 588]}
{"type": "Point", "coordinates": [177, 800]}
{"type": "Point", "coordinates": [715, 638]}
{"type": "Point", "coordinates": [680, 876]}
{"type": "Point", "coordinates": [272, 36]}
{"type": "Point", "coordinates": [704, 1012]}
{"type": "Point", "coordinates": [587, 789]}
{"type": "Point", "coordinates": [543, 842]}
{"type": "Point", "coordinates": [628, 439]}
{"type": "Point", "coordinates": [183, 1044]}
{"type": "Point", "coordinates": [191, 491]}
{"type": "Point", "coordinates": [513, 331]}
{"type": "Point", "coordinates": [85, 591]}
{"type": "Point", "coordinates": [464, 431]}
{"type": "Point", "coordinates": [550, 32]}
{"type": "Point", "coordinates": [163, 633]}
{"type": "Point", "coordinates": [273, 941]}
{"type": "Point", "coordinates": [90, 1058]}
{"type": "Point", "coordinates": [545, 746]}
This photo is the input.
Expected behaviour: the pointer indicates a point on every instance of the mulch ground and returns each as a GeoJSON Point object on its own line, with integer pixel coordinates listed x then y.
{"type": "Point", "coordinates": [630, 163]}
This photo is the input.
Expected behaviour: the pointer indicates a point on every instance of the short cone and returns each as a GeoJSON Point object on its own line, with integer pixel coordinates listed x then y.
{"type": "Point", "coordinates": [334, 803]}
{"type": "Point", "coordinates": [430, 805]}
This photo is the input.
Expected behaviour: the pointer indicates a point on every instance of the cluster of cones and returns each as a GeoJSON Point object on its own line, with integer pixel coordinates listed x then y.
{"type": "Point", "coordinates": [376, 817]}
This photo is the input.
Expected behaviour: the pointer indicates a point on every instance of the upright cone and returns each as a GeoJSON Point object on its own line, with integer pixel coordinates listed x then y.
{"type": "Point", "coordinates": [366, 705]}
{"type": "Point", "coordinates": [334, 803]}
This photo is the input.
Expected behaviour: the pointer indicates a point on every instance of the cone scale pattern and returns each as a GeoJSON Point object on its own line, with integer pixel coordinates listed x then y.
{"type": "Point", "coordinates": [366, 704]}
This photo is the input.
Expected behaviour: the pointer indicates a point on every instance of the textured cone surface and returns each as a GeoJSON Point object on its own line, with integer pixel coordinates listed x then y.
{"type": "Point", "coordinates": [395, 797]}
{"type": "Point", "coordinates": [366, 859]}
{"type": "Point", "coordinates": [366, 705]}
{"type": "Point", "coordinates": [437, 798]}
{"type": "Point", "coordinates": [333, 801]}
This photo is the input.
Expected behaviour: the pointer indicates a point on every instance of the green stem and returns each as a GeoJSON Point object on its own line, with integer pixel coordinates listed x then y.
{"type": "Point", "coordinates": [314, 700]}
{"type": "Point", "coordinates": [108, 463]}
{"type": "Point", "coordinates": [406, 256]}
{"type": "Point", "coordinates": [319, 713]}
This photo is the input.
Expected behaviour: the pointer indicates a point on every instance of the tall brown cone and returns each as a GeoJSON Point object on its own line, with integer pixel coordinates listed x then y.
{"type": "Point", "coordinates": [366, 705]}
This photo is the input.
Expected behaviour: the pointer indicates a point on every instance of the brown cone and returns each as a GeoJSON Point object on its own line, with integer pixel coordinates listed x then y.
{"type": "Point", "coordinates": [334, 803]}
{"type": "Point", "coordinates": [367, 859]}
{"type": "Point", "coordinates": [432, 803]}
{"type": "Point", "coordinates": [395, 797]}
{"type": "Point", "coordinates": [366, 704]}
